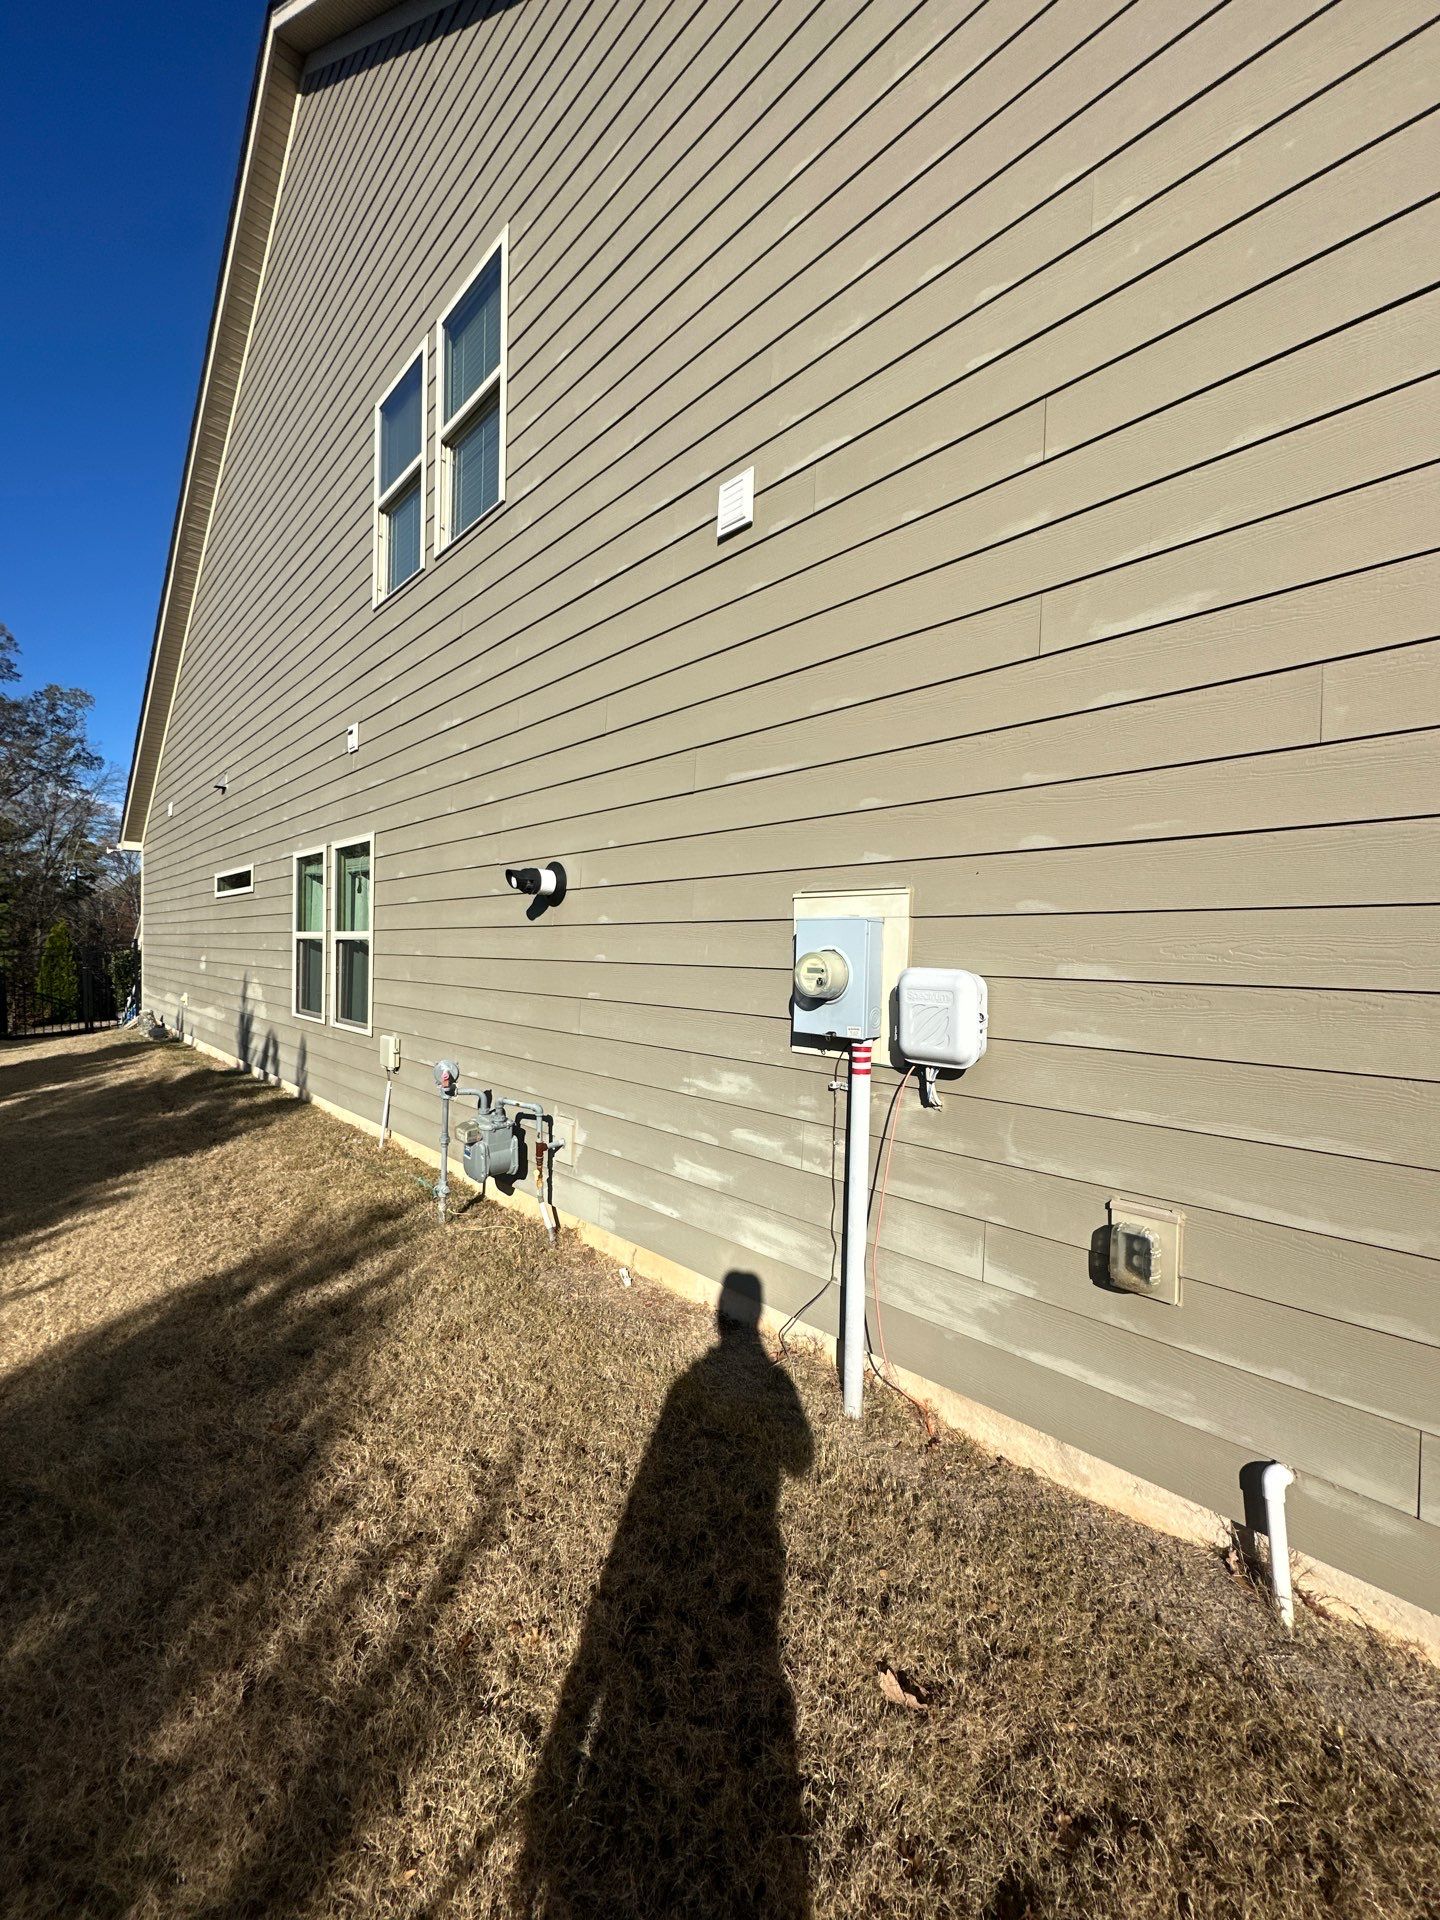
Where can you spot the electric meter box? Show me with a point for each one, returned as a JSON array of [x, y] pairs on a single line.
[[943, 1013], [839, 978]]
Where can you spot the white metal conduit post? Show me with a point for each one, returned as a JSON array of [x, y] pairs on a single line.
[[857, 1207]]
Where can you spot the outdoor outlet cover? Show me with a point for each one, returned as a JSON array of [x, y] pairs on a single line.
[[1145, 1249]]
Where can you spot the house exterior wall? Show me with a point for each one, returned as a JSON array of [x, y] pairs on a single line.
[[1084, 358]]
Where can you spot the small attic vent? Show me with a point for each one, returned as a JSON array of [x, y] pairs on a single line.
[[737, 503]]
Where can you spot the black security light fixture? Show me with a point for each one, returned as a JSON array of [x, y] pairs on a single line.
[[545, 886]]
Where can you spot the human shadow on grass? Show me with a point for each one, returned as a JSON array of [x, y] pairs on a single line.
[[668, 1782]]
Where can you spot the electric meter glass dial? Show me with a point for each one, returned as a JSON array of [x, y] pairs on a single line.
[[822, 975]]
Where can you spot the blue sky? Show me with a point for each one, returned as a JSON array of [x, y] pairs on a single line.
[[119, 132]]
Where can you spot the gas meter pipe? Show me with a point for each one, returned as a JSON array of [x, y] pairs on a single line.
[[442, 1185], [857, 1195]]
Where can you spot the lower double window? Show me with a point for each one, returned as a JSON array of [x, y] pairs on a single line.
[[333, 920]]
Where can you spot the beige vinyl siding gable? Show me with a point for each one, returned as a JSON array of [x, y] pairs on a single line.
[[1086, 359]]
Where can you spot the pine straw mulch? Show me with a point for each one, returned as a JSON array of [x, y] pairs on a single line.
[[353, 1568]]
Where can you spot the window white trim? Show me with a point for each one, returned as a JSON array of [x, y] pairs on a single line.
[[336, 937], [380, 525], [229, 873], [446, 431], [296, 936]]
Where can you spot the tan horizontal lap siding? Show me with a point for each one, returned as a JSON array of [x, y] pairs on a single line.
[[1086, 356]]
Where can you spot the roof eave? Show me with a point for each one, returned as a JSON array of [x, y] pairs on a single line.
[[293, 29]]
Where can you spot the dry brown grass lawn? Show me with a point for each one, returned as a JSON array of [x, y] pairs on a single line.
[[354, 1568]]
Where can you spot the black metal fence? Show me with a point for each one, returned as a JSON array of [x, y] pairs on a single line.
[[24, 1010]]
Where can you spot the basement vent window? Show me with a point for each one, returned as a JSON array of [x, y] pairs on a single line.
[[237, 880], [471, 347]]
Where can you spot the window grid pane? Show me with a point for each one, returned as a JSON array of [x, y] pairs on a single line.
[[352, 890], [400, 428], [402, 538], [475, 468], [310, 977], [472, 338], [310, 894], [352, 980]]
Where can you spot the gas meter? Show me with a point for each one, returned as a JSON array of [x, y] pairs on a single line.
[[490, 1143]]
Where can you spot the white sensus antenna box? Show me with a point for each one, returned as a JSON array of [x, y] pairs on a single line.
[[942, 1017]]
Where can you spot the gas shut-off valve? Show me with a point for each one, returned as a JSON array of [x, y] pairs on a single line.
[[943, 1019]]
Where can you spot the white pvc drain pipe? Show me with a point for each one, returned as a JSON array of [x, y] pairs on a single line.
[[857, 1208], [1273, 1481]]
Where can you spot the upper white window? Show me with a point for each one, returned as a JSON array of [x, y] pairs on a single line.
[[471, 348], [237, 880], [400, 480]]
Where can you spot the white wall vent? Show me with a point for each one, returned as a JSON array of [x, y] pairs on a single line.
[[737, 503]]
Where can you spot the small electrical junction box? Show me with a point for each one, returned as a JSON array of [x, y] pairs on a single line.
[[943, 1016]]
